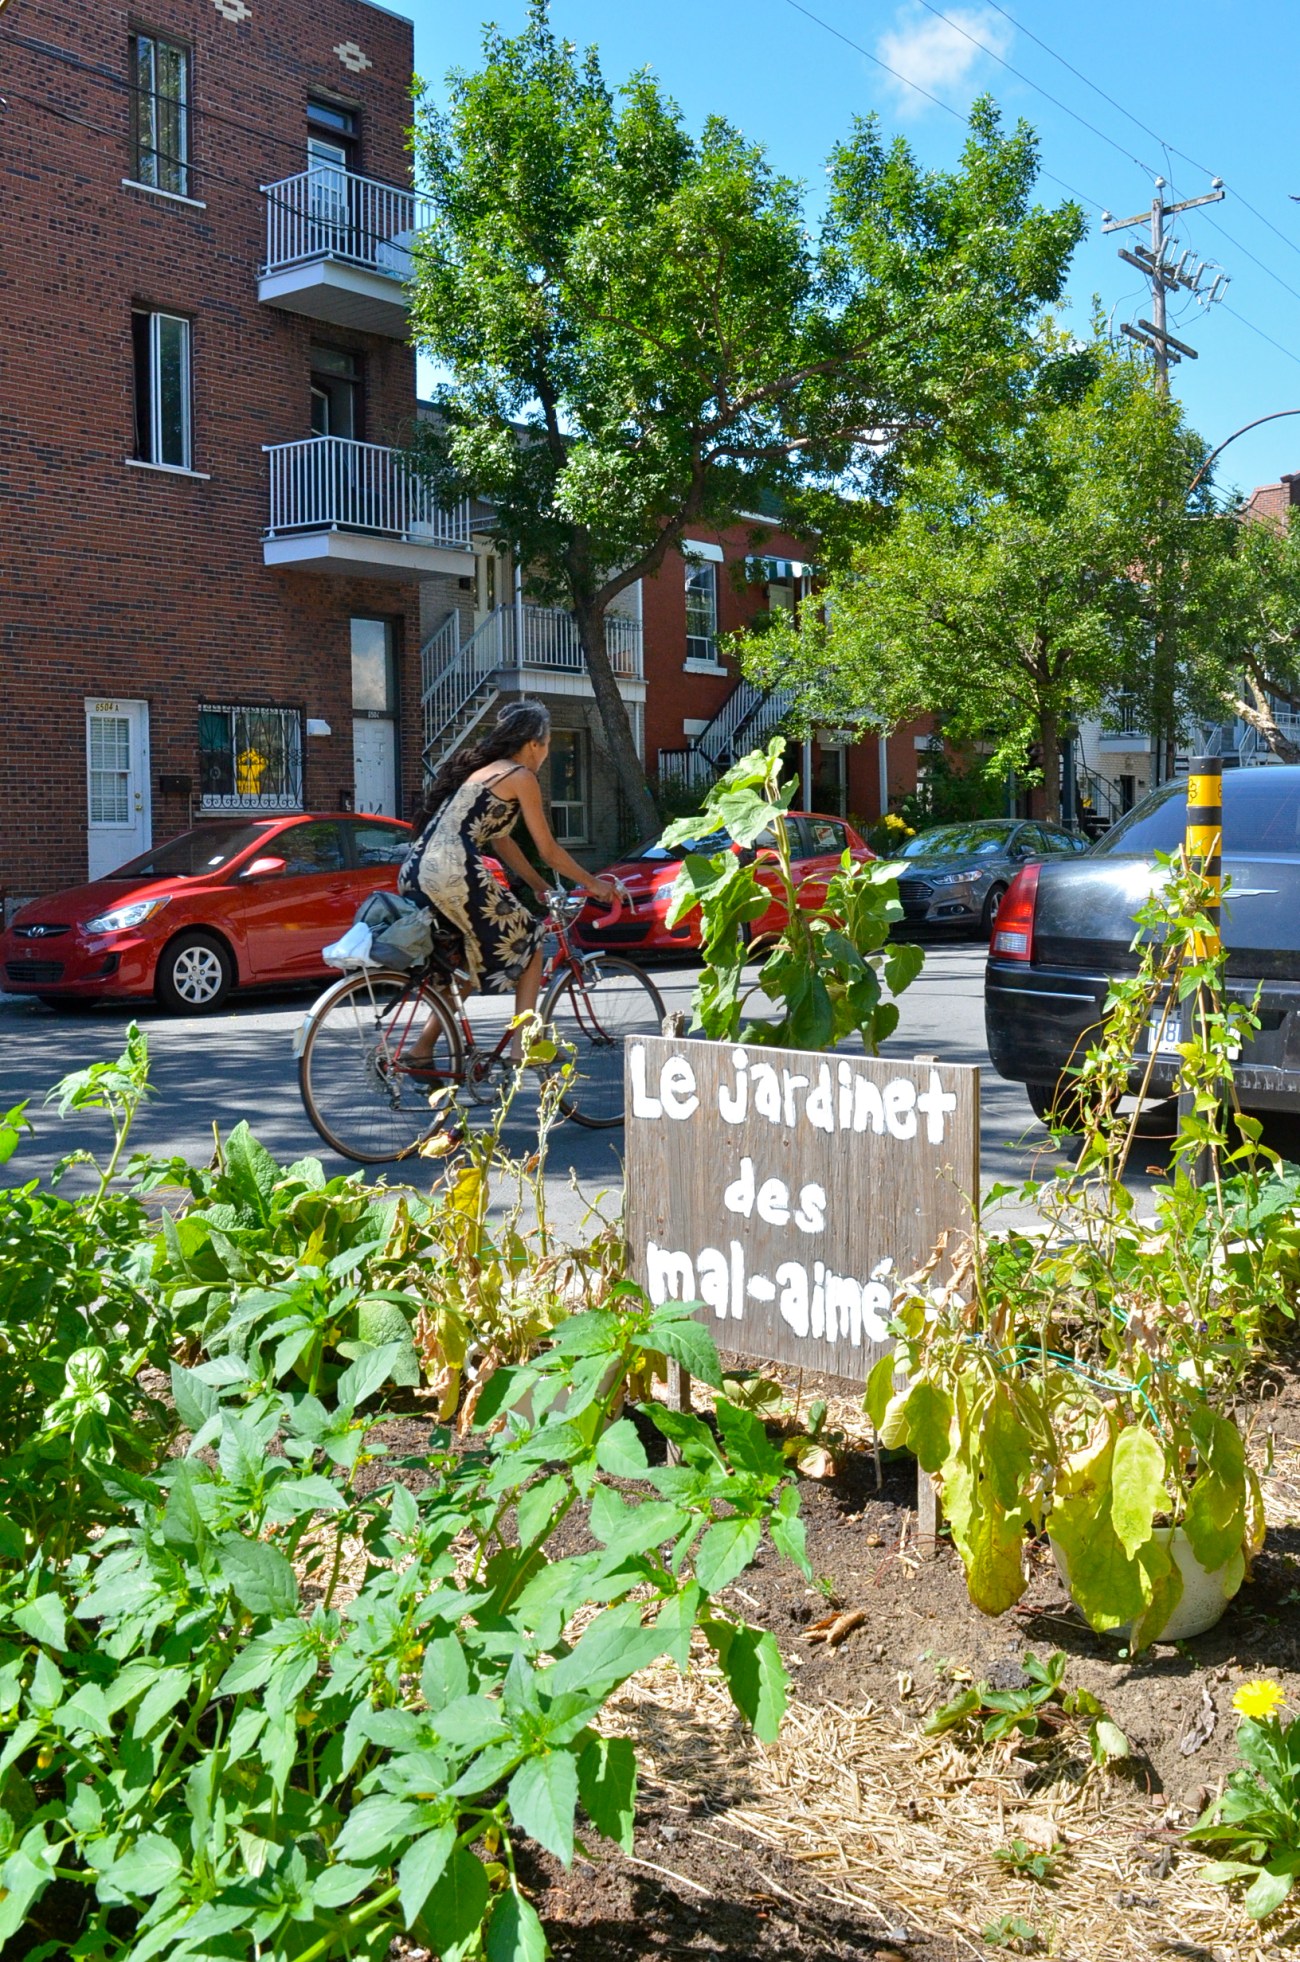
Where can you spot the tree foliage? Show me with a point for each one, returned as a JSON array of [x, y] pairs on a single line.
[[1018, 589], [644, 331]]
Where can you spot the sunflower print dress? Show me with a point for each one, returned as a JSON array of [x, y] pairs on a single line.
[[500, 935]]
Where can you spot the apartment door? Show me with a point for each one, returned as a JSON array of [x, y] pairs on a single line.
[[119, 819], [374, 717]]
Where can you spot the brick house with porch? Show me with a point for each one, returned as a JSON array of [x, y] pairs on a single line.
[[212, 553]]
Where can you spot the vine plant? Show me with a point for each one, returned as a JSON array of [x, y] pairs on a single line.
[[830, 970], [1088, 1380]]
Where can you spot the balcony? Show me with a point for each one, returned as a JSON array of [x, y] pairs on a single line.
[[338, 248], [355, 509]]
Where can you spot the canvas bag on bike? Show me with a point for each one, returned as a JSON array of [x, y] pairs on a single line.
[[402, 931]]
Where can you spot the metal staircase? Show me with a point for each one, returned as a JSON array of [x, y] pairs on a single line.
[[458, 685], [748, 717]]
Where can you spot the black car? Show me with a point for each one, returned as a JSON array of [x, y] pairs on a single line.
[[1065, 930], [957, 874]]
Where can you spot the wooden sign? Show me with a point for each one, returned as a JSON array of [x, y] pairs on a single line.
[[789, 1192]]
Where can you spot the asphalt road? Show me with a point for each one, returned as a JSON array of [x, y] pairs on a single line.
[[239, 1064]]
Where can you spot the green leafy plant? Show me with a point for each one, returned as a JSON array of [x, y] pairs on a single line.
[[1032, 1862], [1255, 1821], [1013, 1932], [1088, 1380], [79, 1329], [829, 969], [1040, 1708], [212, 1743]]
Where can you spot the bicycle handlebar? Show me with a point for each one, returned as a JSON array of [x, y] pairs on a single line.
[[559, 898]]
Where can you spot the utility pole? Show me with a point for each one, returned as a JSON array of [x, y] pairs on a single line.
[[1166, 276]]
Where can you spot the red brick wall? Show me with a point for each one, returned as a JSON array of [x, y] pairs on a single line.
[[126, 582], [674, 694]]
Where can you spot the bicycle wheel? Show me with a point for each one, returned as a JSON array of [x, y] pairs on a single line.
[[594, 1014], [357, 1090]]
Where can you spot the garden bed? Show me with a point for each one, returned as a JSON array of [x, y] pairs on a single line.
[[856, 1835]]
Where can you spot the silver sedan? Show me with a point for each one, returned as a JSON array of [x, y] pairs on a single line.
[[957, 874]]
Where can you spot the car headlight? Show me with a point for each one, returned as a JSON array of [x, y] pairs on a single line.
[[955, 879], [121, 918]]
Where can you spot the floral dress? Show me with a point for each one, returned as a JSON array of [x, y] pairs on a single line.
[[500, 935]]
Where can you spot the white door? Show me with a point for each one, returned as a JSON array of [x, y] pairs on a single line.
[[374, 764], [120, 823]]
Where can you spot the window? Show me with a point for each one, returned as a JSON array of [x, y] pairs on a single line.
[[161, 349], [335, 392], [310, 848], [160, 74], [374, 688], [331, 134], [828, 837], [701, 611], [378, 844], [569, 785], [250, 759]]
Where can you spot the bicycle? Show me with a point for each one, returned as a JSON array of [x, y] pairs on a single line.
[[369, 1101]]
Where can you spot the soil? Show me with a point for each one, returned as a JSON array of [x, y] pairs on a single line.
[[701, 1883]]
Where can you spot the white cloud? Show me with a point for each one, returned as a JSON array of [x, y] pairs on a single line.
[[936, 55]]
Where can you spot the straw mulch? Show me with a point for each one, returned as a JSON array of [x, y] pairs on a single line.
[[902, 1830]]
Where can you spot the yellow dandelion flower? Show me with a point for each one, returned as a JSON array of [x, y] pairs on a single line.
[[1258, 1699]]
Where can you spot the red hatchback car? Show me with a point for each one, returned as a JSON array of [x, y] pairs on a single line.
[[236, 901], [818, 845]]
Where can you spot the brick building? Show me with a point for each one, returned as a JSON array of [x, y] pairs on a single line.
[[212, 556], [220, 590]]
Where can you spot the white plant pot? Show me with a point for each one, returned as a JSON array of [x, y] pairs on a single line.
[[1205, 1596]]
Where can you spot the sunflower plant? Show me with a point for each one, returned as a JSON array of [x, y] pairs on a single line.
[[1255, 1821]]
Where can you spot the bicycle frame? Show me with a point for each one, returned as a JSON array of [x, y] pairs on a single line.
[[474, 1058]]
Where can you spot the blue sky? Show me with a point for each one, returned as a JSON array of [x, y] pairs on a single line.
[[1217, 82]]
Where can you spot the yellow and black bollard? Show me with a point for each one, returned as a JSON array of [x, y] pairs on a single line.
[[1203, 841]]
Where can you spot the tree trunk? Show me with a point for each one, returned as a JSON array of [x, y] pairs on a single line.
[[1259, 714], [1049, 746], [615, 721]]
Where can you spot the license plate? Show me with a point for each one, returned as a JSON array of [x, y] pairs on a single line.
[[1164, 1041]]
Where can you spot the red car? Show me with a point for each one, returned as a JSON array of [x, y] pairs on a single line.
[[648, 874], [235, 901]]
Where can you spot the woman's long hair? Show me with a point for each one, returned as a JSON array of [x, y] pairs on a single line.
[[518, 723]]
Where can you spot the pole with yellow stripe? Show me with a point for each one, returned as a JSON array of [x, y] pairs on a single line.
[[1203, 839]]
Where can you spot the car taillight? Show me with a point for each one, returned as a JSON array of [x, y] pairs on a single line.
[[1013, 929]]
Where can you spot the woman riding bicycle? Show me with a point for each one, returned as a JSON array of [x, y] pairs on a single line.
[[472, 805]]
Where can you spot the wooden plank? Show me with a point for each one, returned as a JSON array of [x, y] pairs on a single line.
[[790, 1192]]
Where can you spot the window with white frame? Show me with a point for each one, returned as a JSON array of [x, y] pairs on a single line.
[[569, 778], [250, 759], [161, 347], [160, 76], [701, 610]]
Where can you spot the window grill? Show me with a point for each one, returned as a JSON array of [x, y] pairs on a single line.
[[250, 759]]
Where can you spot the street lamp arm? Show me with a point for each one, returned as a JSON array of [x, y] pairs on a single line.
[[1275, 416]]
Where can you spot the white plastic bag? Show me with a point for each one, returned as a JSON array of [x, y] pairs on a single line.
[[353, 950]]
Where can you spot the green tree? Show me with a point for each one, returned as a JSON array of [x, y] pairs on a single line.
[[1016, 590], [1257, 608], [642, 331]]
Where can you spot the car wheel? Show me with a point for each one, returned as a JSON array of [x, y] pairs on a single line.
[[992, 906], [194, 975]]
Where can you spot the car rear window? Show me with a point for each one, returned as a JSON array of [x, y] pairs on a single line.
[[205, 849], [1261, 816]]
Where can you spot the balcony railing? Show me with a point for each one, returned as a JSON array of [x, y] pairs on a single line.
[[328, 213], [328, 483], [547, 637]]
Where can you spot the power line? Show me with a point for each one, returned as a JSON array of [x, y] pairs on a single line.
[[1261, 263], [1030, 83], [1289, 352], [1137, 121], [938, 101]]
